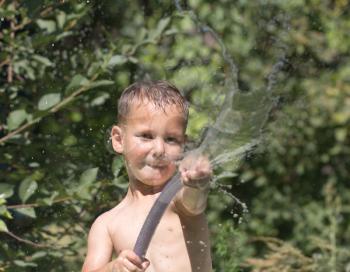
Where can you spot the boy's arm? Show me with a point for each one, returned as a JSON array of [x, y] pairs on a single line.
[[100, 247], [195, 174], [191, 201]]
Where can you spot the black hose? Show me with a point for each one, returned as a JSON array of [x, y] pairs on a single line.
[[155, 214]]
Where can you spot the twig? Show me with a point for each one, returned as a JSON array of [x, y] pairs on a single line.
[[5, 62], [10, 68], [52, 110], [18, 130], [25, 241], [33, 205]]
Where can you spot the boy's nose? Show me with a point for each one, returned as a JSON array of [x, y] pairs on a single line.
[[158, 148]]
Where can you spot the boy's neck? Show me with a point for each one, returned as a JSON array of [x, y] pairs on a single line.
[[138, 189]]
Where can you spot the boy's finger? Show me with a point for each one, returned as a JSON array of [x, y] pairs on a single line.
[[130, 266], [145, 265], [135, 260]]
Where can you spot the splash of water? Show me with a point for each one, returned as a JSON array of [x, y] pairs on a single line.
[[238, 127]]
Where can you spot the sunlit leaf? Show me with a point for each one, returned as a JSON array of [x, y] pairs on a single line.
[[21, 263], [100, 100], [38, 255], [48, 25], [89, 176], [3, 227], [117, 165], [162, 24], [117, 60], [16, 118], [61, 19], [6, 189], [49, 100], [42, 60], [99, 83], [4, 211], [76, 82], [27, 189], [49, 200], [30, 212]]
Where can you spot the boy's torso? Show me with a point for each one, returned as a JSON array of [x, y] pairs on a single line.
[[180, 243]]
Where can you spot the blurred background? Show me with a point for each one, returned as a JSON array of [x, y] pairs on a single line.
[[63, 65]]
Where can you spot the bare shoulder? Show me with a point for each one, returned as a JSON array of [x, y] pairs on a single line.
[[100, 242], [107, 218]]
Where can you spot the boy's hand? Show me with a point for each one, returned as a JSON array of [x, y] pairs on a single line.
[[195, 171], [128, 261]]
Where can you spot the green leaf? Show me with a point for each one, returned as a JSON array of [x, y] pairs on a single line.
[[6, 190], [16, 118], [100, 100], [27, 188], [3, 227], [5, 212], [49, 100], [42, 60], [99, 83], [48, 25], [163, 23], [30, 212], [76, 82], [63, 35], [21, 263], [88, 176], [61, 19], [117, 60], [117, 165], [38, 255], [49, 200], [86, 180]]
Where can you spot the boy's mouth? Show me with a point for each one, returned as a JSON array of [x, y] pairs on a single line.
[[161, 165], [158, 164]]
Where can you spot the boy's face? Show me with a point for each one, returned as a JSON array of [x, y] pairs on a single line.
[[151, 140]]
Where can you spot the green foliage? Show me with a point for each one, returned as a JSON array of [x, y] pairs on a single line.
[[62, 68], [230, 248]]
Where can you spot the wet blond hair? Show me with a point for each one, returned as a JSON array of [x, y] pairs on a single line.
[[161, 93]]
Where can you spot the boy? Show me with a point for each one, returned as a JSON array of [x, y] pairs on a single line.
[[152, 119]]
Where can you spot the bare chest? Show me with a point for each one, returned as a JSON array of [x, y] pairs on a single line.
[[177, 245]]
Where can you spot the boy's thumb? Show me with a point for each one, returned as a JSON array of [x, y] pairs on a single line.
[[145, 264]]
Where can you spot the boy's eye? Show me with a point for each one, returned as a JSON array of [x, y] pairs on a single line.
[[172, 140], [146, 136]]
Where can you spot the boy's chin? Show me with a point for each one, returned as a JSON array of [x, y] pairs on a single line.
[[156, 177]]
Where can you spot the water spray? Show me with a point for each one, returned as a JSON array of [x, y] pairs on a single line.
[[236, 132]]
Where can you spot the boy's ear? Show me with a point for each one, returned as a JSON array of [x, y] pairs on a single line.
[[117, 139]]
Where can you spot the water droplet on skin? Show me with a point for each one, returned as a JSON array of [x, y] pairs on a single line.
[[202, 243]]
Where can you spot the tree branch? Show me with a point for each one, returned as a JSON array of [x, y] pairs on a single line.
[[52, 110], [28, 242], [34, 205], [5, 62]]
